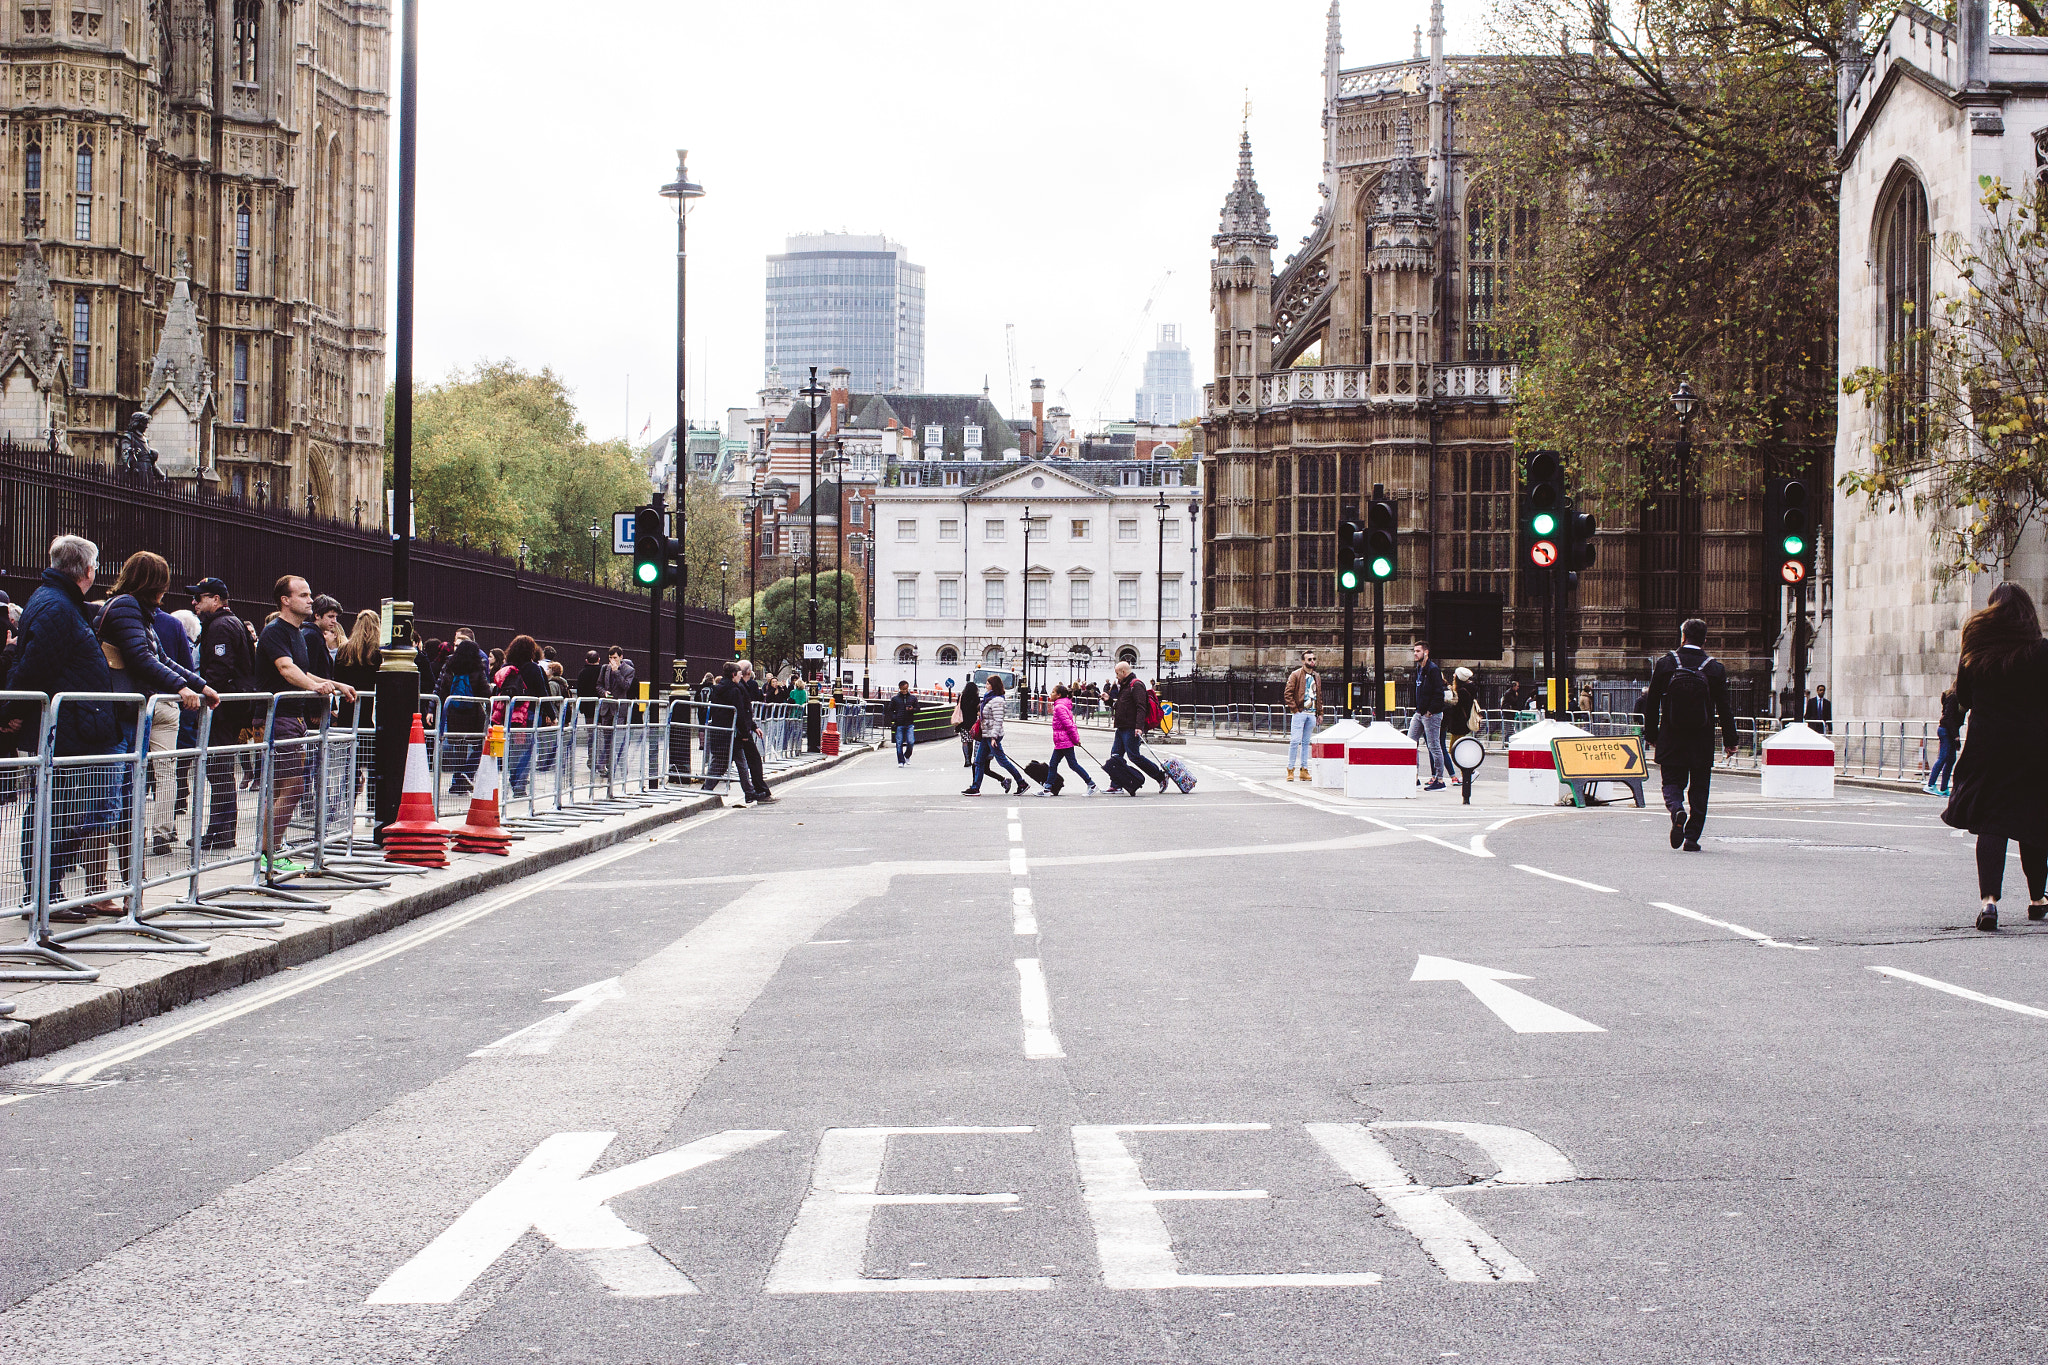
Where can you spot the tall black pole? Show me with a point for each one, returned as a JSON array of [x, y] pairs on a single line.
[[1158, 596], [658, 500], [1350, 604], [398, 677], [1549, 640], [838, 564], [1379, 648], [814, 721], [1024, 616], [1799, 651], [682, 191]]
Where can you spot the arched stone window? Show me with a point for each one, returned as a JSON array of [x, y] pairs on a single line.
[[948, 654], [248, 22], [992, 657], [907, 654], [1127, 655], [1904, 255]]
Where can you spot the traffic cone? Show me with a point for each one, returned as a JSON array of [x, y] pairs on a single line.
[[480, 831], [831, 743], [416, 837]]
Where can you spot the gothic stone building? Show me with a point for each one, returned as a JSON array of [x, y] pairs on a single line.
[[208, 179], [1366, 357]]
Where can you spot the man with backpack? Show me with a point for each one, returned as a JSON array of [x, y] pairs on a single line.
[[1136, 712], [1688, 692]]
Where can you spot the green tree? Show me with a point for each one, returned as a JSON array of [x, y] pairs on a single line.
[[711, 532], [779, 617], [1661, 177]]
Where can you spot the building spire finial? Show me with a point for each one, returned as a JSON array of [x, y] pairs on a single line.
[[1244, 208]]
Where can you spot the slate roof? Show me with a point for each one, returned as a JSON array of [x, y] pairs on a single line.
[[955, 412]]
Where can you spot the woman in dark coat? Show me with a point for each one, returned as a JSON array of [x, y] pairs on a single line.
[[2001, 780], [970, 711]]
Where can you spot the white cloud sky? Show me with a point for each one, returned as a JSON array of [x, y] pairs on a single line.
[[1045, 163]]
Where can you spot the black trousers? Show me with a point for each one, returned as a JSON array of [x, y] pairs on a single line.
[[748, 761], [1991, 867], [1686, 779]]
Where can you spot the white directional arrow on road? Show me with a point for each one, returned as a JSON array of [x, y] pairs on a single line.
[[538, 1039], [1518, 1011]]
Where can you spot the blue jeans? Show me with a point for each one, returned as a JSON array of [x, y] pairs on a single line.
[[906, 740], [1944, 765], [1300, 726], [1066, 756], [1430, 730], [991, 750], [1126, 744]]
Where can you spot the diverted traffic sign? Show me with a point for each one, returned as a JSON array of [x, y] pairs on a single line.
[[1583, 761]]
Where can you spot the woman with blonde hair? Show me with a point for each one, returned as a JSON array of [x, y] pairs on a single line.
[[2000, 792]]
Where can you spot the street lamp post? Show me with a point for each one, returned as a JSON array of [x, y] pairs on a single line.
[[1159, 598], [814, 711], [593, 550], [682, 190], [522, 556], [723, 565], [1194, 583], [1683, 402], [838, 554], [1024, 619]]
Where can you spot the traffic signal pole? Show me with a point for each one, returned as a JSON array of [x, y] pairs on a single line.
[[1379, 649], [1350, 599], [659, 502]]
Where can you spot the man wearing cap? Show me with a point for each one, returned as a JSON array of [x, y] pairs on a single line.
[[228, 663]]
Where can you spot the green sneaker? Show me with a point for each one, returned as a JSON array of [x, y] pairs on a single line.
[[277, 863]]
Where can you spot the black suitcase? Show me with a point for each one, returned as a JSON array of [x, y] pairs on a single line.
[[1123, 775], [1037, 772]]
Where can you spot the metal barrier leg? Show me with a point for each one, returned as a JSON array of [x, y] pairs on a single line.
[[129, 796], [218, 916]]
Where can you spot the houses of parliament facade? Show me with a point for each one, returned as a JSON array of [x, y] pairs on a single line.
[[1367, 357], [202, 187]]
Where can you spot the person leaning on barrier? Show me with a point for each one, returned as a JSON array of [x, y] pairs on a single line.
[[227, 661], [281, 667], [59, 652], [137, 663], [462, 687], [746, 736]]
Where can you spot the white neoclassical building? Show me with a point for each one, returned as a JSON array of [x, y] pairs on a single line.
[[1933, 107], [1108, 570]]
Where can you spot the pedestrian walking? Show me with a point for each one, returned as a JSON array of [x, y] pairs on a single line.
[[2001, 777], [1427, 724], [1950, 735], [746, 741], [1133, 717], [60, 652], [989, 748], [1820, 712], [137, 664], [1066, 737], [1304, 700], [899, 713], [1459, 708], [1512, 701], [281, 667], [1688, 692], [227, 661], [966, 711], [464, 684]]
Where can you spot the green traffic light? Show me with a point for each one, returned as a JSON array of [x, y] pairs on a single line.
[[1347, 580], [1382, 568], [1543, 523], [1794, 545], [647, 573]]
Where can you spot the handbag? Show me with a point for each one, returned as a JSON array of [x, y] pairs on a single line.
[[957, 718]]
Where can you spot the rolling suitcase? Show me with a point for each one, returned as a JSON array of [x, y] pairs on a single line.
[[1125, 777], [1177, 772], [1037, 772]]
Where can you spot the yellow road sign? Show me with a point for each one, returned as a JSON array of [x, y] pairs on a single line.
[[1615, 759]]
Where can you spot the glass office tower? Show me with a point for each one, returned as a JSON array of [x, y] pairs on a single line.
[[843, 299]]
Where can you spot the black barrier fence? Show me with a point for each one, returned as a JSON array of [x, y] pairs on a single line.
[[1242, 689], [45, 494]]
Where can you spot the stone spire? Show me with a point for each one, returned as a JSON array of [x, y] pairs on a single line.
[[1333, 55], [180, 366], [31, 327], [1404, 193], [1244, 208]]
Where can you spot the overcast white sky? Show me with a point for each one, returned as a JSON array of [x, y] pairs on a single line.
[[1047, 163]]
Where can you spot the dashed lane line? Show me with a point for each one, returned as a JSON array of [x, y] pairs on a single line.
[[1560, 877], [1040, 1042], [1475, 849], [1962, 991], [1761, 940], [1023, 917]]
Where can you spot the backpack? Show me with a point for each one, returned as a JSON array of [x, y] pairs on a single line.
[[460, 686], [1688, 712], [1155, 719]]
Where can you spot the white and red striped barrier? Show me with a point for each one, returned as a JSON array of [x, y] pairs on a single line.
[[1532, 767], [1326, 761], [1379, 761], [1799, 762]]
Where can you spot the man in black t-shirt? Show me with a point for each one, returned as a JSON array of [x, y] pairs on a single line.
[[281, 667]]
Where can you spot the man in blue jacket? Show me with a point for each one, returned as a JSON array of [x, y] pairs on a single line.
[[59, 652], [1427, 724]]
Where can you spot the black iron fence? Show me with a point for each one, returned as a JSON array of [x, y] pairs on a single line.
[[45, 494], [1235, 688]]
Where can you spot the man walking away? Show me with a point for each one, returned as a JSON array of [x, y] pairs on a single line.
[[1304, 697], [900, 714], [1427, 724], [1133, 715], [1820, 711], [228, 663], [1688, 690], [281, 667]]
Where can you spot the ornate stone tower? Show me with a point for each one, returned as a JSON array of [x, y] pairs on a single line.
[[1241, 286], [1401, 262]]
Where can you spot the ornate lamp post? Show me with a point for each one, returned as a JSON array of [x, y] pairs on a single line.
[[838, 555], [682, 189], [1024, 617], [1159, 597], [522, 556], [1683, 401], [593, 549], [814, 711], [1194, 581], [723, 565]]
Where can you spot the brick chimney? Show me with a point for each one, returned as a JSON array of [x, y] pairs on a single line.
[[1038, 409], [842, 380]]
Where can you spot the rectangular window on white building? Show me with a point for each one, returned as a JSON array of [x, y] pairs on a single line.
[[906, 597], [1170, 529], [1077, 598], [972, 441], [992, 529], [1169, 598], [1127, 597], [992, 598], [949, 597], [1037, 595], [1077, 529], [1039, 528], [934, 437], [949, 530], [906, 529], [1127, 529]]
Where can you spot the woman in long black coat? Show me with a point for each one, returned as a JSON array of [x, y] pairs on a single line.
[[970, 711], [2000, 791]]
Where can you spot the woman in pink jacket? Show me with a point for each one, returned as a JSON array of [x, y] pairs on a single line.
[[1064, 738]]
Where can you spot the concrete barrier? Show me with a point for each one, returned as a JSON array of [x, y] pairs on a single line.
[[1532, 767], [1379, 761], [1326, 764], [1799, 762]]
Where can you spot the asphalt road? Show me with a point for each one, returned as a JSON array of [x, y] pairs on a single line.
[[884, 1074]]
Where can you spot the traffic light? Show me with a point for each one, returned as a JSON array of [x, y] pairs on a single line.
[[651, 552], [1543, 509], [1789, 530], [1579, 546], [1382, 547], [1350, 556]]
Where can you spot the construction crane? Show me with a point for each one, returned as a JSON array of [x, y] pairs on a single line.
[[1123, 358]]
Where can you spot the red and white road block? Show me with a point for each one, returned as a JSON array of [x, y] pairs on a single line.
[[1532, 767], [1379, 761], [1326, 760], [1799, 762]]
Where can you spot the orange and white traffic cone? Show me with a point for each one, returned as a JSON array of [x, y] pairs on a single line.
[[480, 832], [416, 837], [831, 740]]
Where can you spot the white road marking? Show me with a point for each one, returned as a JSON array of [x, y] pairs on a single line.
[[1014, 811], [550, 1193], [1130, 1236], [1463, 1250], [1965, 993], [1762, 940], [1560, 877], [1016, 833], [538, 1039], [1040, 1043], [1522, 1013], [1476, 848], [825, 1251], [87, 1068], [1024, 919], [1018, 868]]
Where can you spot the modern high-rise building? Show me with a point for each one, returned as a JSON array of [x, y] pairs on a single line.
[[1167, 394], [839, 298]]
